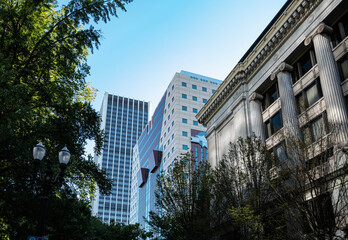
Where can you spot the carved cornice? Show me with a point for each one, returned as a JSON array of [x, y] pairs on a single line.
[[283, 27]]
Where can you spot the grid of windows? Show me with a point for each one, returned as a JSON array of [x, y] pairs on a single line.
[[124, 121]]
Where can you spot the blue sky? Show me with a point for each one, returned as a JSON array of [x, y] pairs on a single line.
[[143, 48]]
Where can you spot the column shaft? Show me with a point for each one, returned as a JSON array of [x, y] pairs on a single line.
[[256, 119], [288, 103], [331, 86]]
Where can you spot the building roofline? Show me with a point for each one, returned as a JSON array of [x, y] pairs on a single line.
[[268, 27], [293, 13]]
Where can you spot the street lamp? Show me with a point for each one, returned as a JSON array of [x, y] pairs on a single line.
[[47, 179]]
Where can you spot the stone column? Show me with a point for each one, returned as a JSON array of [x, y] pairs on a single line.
[[330, 83], [287, 100], [256, 115]]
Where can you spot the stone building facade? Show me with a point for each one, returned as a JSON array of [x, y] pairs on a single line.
[[293, 81]]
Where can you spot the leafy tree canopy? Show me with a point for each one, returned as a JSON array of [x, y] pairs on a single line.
[[183, 197], [44, 97]]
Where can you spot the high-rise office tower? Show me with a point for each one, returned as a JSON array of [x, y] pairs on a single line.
[[123, 120], [172, 130]]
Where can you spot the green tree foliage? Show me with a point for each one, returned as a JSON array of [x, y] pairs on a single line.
[[241, 191], [183, 199], [44, 97], [116, 231]]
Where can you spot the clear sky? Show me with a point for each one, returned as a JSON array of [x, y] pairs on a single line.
[[143, 48]]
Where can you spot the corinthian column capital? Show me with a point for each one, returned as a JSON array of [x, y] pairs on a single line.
[[322, 28]]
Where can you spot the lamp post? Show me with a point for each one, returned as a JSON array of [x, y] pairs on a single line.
[[47, 179]]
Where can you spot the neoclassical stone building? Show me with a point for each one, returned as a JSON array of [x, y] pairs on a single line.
[[294, 76], [293, 81]]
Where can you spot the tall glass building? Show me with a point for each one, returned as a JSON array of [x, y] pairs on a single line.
[[172, 130], [123, 120]]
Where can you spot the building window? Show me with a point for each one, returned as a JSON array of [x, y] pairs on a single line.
[[165, 134], [343, 67], [322, 210], [184, 133], [168, 117], [165, 147], [165, 123], [184, 147], [173, 111], [184, 120], [340, 30], [183, 84], [204, 100], [303, 65], [279, 153], [194, 110], [168, 105], [204, 89], [270, 96], [195, 123], [315, 129], [309, 96], [184, 96], [184, 108], [172, 123], [194, 86], [172, 99], [346, 97], [165, 159], [273, 124], [172, 136], [194, 98], [172, 87], [168, 94], [169, 129], [213, 91], [168, 142], [172, 149]]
